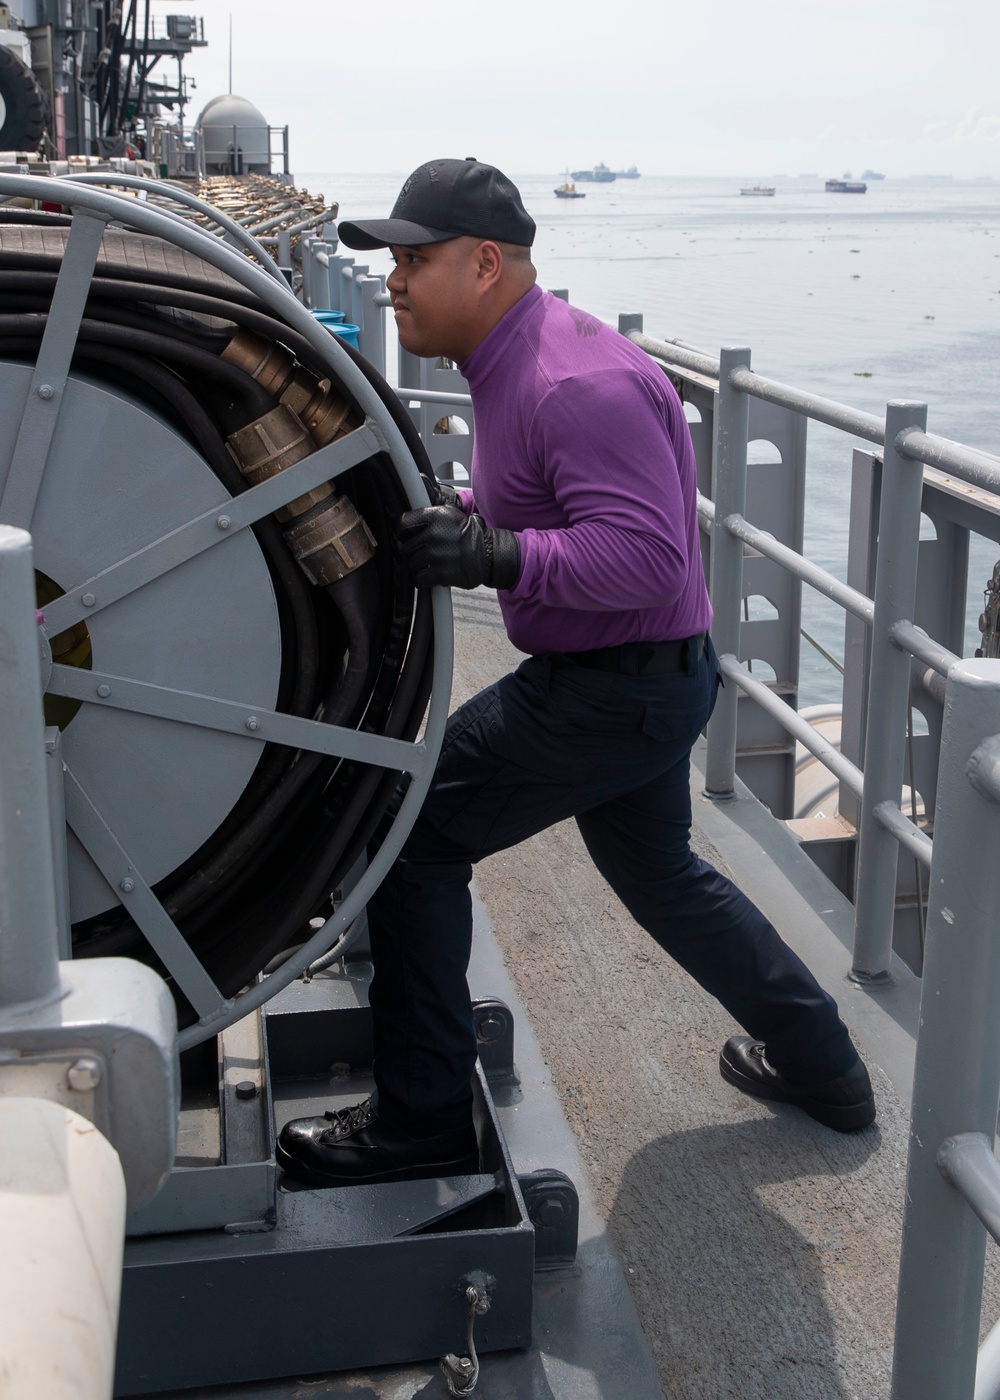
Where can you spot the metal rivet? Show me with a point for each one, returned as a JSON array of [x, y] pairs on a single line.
[[88, 600], [85, 1075], [103, 690], [223, 522], [253, 723], [127, 886], [246, 1089], [46, 391]]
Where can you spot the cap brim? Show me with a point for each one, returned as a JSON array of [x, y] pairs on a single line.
[[380, 233]]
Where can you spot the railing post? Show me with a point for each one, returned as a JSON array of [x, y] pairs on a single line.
[[321, 273], [372, 338], [957, 1072], [337, 284], [29, 956], [726, 584], [306, 268], [889, 685], [354, 309]]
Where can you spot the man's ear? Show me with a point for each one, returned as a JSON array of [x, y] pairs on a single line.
[[489, 264]]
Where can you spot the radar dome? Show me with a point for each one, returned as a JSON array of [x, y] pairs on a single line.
[[236, 137]]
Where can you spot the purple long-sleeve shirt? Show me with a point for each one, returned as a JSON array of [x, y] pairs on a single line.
[[583, 450]]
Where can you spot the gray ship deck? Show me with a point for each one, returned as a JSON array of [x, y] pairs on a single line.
[[759, 1249]]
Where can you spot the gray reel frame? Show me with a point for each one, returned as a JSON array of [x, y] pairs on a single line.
[[93, 210]]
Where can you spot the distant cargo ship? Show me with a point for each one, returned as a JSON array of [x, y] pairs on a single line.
[[600, 175], [757, 189], [872, 175], [630, 174], [846, 187]]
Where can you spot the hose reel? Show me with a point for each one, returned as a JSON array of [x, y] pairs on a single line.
[[231, 647]]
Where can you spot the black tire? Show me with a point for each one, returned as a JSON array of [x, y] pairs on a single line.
[[24, 117]]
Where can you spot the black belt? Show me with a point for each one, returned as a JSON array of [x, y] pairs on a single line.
[[643, 658]]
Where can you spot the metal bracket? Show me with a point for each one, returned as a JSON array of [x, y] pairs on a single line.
[[494, 1024], [554, 1209], [106, 1048]]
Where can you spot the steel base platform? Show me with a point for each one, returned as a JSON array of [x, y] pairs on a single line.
[[319, 1297]]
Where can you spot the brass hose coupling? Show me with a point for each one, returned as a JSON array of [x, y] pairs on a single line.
[[324, 530]]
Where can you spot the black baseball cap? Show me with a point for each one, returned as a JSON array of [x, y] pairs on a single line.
[[448, 199]]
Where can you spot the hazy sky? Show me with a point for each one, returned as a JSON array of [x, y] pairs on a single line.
[[724, 87]]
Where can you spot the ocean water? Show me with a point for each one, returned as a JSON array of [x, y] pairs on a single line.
[[861, 298]]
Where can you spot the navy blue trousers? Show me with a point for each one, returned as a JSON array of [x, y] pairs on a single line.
[[554, 740]]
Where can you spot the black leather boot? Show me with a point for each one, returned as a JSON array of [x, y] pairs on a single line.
[[352, 1147], [846, 1103]]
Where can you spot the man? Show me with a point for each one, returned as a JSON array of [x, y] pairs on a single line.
[[582, 515]]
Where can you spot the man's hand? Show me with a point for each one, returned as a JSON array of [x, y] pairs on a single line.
[[441, 493], [443, 545]]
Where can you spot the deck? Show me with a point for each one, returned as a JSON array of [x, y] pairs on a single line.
[[761, 1249]]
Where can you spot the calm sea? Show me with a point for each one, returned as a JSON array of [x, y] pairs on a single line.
[[862, 298]]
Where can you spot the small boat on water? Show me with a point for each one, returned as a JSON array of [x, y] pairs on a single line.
[[758, 189], [600, 175], [567, 190], [846, 187]]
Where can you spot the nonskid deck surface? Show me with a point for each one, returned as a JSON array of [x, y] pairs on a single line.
[[761, 1248]]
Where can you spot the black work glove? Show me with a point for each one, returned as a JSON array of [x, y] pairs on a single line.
[[443, 545], [441, 493]]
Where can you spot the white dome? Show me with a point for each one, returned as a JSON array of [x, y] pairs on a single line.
[[229, 109], [230, 122]]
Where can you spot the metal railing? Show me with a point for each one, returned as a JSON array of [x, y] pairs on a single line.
[[953, 1180], [888, 615]]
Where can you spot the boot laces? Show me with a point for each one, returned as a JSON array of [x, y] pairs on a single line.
[[345, 1121]]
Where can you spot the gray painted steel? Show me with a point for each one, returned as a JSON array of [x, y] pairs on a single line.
[[57, 825], [256, 723], [895, 596], [386, 1264], [907, 833], [803, 731], [957, 1070], [222, 522], [97, 1037], [163, 788], [726, 579], [771, 623], [792, 560], [29, 926], [439, 385], [969, 1163], [43, 405]]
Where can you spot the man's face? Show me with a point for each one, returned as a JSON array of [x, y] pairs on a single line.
[[436, 298]]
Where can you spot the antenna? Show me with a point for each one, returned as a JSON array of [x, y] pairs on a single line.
[[230, 53]]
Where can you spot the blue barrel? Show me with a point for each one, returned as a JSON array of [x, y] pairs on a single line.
[[335, 323], [347, 332]]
